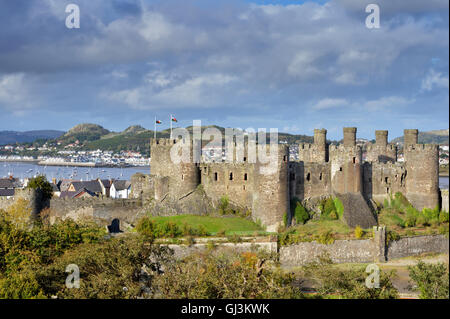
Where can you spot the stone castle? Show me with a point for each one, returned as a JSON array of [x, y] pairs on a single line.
[[321, 171]]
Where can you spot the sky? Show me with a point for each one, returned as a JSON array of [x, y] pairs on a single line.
[[291, 65]]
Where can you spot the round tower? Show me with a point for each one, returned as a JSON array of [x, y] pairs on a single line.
[[271, 190]]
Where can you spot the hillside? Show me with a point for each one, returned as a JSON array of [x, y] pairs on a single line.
[[83, 133], [13, 137], [429, 137]]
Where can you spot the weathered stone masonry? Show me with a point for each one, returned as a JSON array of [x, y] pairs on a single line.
[[322, 170]]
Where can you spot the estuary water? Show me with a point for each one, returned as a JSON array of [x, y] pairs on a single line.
[[23, 170]]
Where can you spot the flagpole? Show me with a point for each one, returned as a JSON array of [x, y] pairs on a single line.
[[155, 128], [170, 126]]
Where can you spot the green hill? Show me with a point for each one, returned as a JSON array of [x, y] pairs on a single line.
[[430, 137], [83, 133]]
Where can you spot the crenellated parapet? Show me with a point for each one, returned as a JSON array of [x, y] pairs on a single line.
[[381, 151]]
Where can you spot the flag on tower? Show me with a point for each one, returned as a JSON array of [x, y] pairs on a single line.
[[174, 119], [158, 122]]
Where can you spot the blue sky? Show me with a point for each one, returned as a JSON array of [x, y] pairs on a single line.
[[293, 65]]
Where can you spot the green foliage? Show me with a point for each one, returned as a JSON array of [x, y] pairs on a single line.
[[326, 237], [40, 183], [223, 205], [168, 229], [348, 283], [392, 236], [328, 209], [301, 215], [359, 232], [285, 219], [399, 212], [432, 280], [339, 207], [215, 275]]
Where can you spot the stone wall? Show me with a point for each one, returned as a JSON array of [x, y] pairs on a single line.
[[101, 210], [341, 251], [410, 246], [444, 200], [182, 251], [383, 179]]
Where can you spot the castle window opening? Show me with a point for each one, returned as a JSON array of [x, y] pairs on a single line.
[[386, 179], [245, 177], [340, 169], [157, 142], [244, 187], [231, 176], [387, 190], [308, 177], [182, 177], [215, 176], [245, 159], [320, 176], [354, 160], [284, 158]]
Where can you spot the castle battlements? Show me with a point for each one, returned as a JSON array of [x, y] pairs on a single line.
[[321, 170]]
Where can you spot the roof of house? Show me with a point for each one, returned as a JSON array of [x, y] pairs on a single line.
[[65, 184], [120, 185], [7, 192], [55, 187], [82, 192], [92, 186], [106, 183], [6, 183]]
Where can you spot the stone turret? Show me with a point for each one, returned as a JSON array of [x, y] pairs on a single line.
[[349, 136], [317, 152], [411, 137], [381, 151], [381, 138]]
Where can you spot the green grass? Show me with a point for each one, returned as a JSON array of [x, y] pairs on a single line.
[[213, 225]]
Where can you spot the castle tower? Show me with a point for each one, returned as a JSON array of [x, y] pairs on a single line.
[[349, 136], [176, 179], [381, 151], [422, 171], [411, 137], [381, 138], [271, 191], [346, 164], [317, 152]]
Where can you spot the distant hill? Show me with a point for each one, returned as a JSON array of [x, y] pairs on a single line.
[[429, 137], [13, 137], [83, 133]]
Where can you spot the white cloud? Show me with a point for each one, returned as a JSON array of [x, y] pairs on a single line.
[[14, 93], [434, 80], [329, 103]]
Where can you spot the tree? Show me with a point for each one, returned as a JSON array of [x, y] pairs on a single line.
[[40, 182], [431, 280]]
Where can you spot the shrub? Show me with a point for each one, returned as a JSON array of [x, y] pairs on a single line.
[[146, 227], [328, 210], [40, 182], [348, 283], [223, 205], [301, 215], [326, 237], [443, 217], [359, 232], [432, 280], [339, 207], [213, 275]]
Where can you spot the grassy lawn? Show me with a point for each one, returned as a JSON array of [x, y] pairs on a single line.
[[231, 225]]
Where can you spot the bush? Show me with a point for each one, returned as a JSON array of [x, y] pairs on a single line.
[[359, 232], [443, 217], [301, 215], [215, 275], [223, 205], [348, 283], [326, 237], [339, 207], [328, 210], [40, 182], [431, 280]]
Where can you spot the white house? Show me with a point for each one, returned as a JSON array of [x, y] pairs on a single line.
[[120, 189]]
